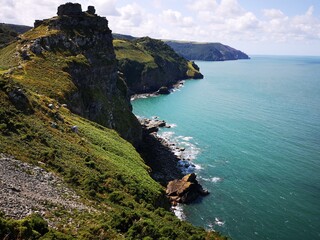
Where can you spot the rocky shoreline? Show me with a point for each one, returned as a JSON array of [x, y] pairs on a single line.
[[161, 91], [166, 164]]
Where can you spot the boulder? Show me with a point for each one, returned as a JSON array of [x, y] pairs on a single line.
[[91, 10], [152, 125], [69, 9], [185, 190], [163, 90]]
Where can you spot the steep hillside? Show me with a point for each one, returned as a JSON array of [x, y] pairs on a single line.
[[17, 28], [54, 76], [148, 64], [80, 69], [206, 51], [10, 32], [6, 35]]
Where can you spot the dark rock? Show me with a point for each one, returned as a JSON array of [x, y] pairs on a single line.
[[163, 90], [20, 100], [185, 190], [25, 55], [91, 10], [169, 68], [69, 9], [36, 47], [54, 125], [37, 23], [151, 125], [74, 129]]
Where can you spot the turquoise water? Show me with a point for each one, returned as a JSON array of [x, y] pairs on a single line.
[[253, 129]]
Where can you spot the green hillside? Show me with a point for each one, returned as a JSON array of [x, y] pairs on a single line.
[[47, 90], [149, 64], [206, 51]]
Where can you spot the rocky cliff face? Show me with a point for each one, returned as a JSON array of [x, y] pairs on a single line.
[[99, 94], [149, 64]]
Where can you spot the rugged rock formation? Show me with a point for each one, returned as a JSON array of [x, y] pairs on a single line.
[[149, 64], [100, 94], [185, 190], [151, 125], [206, 51]]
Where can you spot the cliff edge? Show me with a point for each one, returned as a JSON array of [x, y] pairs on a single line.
[[76, 50], [149, 64]]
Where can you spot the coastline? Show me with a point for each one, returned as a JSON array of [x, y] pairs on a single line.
[[159, 155], [171, 89], [164, 157]]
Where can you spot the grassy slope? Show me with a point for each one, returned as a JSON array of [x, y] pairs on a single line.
[[104, 169], [138, 51]]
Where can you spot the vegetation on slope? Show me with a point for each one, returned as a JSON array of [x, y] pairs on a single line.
[[6, 35], [104, 169], [148, 64]]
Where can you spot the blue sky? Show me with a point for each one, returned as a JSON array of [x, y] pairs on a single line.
[[281, 27]]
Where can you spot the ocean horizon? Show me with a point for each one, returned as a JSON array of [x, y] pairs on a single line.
[[252, 130]]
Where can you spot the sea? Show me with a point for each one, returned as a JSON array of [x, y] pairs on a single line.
[[251, 129]]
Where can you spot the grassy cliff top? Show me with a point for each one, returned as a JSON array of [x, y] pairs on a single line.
[[102, 168]]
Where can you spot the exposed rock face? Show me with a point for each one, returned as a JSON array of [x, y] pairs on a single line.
[[70, 9], [185, 190], [158, 66], [91, 10], [151, 125], [101, 94]]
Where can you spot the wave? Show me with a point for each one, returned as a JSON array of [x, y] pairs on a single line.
[[178, 211], [213, 179]]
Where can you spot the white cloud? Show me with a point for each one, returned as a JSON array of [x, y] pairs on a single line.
[[203, 5], [273, 13], [27, 11], [175, 18], [223, 21]]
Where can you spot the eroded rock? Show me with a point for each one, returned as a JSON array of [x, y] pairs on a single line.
[[185, 190]]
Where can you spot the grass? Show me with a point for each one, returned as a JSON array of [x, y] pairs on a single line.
[[103, 168], [40, 31], [128, 50]]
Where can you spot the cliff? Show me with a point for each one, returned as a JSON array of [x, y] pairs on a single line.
[[206, 51], [61, 159], [76, 48], [149, 64]]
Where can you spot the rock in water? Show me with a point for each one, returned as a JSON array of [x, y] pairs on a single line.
[[163, 90], [185, 190]]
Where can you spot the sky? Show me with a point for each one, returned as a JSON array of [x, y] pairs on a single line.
[[273, 27]]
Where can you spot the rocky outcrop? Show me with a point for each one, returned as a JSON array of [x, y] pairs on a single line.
[[101, 94], [185, 190], [151, 125]]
